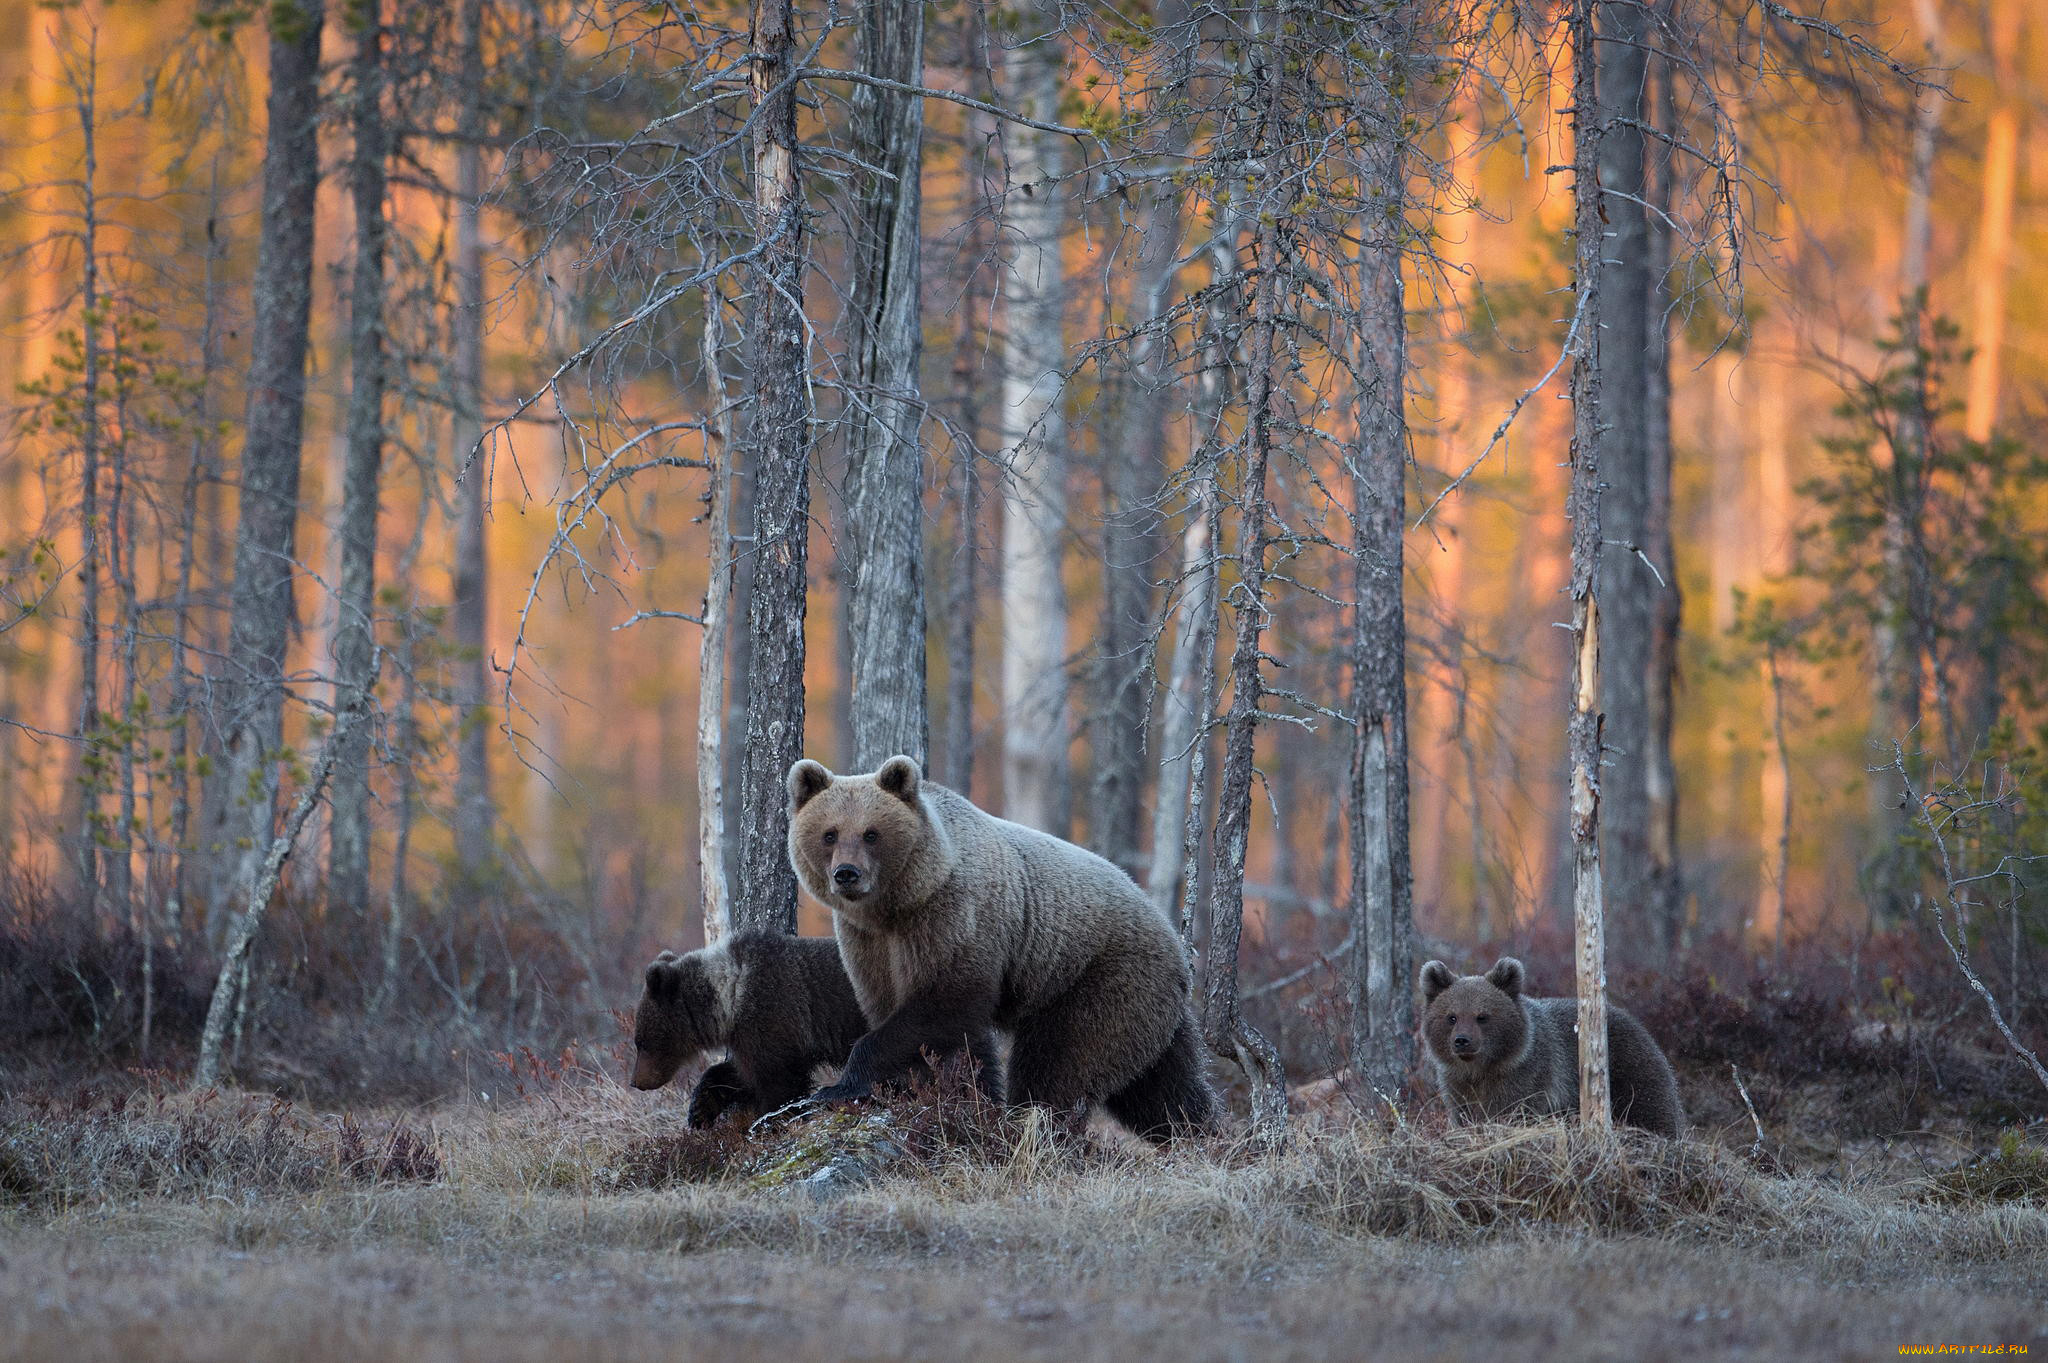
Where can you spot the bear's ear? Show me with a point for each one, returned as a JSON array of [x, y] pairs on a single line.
[[1506, 976], [1436, 977], [899, 777], [664, 975], [806, 779]]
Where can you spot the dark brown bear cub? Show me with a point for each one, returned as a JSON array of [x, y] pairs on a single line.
[[778, 1006], [1498, 1054]]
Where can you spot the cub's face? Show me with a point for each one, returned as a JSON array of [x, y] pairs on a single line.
[[1475, 1021], [667, 1033], [850, 836]]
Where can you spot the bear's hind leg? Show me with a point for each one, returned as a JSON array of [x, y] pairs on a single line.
[[1096, 1039], [1172, 1098]]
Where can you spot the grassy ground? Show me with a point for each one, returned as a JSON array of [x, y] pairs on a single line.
[[581, 1223]]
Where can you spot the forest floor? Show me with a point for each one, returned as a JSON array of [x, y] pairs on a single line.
[[579, 1221]]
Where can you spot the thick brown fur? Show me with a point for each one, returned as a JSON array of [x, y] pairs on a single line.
[[954, 924], [778, 1006], [1498, 1054]]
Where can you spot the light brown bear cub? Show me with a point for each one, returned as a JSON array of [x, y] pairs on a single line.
[[955, 924], [779, 1007], [1498, 1054]]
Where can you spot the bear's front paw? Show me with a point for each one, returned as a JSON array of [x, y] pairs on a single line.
[[842, 1092]]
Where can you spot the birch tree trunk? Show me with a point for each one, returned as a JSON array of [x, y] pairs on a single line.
[[234, 963], [1382, 913], [473, 815], [779, 415], [885, 478], [348, 875], [251, 677], [1036, 789], [1184, 727], [1582, 754], [715, 897]]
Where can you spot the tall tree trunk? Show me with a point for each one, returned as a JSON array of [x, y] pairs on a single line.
[[778, 383], [199, 472], [1589, 927], [1896, 676], [473, 813], [348, 873], [1666, 903], [1187, 705], [715, 895], [1224, 1027], [1777, 799], [91, 739], [1627, 585], [1994, 220], [1443, 703], [1382, 911], [958, 747], [885, 483], [1184, 731], [1131, 482], [251, 677], [1036, 789], [128, 725], [740, 642]]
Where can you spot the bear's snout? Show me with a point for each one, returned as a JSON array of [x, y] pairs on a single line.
[[1464, 1045], [849, 879]]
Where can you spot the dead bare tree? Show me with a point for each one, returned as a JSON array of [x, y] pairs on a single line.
[[779, 441], [1589, 923]]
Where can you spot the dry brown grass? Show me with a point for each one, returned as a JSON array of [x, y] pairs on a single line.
[[538, 1236]]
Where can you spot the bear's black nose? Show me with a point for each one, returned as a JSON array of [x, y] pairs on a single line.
[[845, 875], [1461, 1044]]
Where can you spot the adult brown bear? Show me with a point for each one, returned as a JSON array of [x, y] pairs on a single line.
[[954, 924]]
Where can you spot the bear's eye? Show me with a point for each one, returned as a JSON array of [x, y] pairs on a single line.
[[1450, 1017], [831, 836], [1483, 1017], [869, 836]]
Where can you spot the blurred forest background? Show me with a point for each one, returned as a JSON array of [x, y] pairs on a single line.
[[625, 328]]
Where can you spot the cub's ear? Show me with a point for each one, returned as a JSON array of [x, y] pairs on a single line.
[[899, 777], [806, 779], [664, 975], [1436, 977], [1506, 976]]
